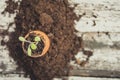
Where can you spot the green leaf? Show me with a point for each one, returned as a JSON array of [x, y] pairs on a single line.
[[33, 46], [29, 51], [22, 39], [37, 38]]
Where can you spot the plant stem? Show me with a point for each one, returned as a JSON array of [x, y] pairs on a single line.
[[36, 43], [30, 42]]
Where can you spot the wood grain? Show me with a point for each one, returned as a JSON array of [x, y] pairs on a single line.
[[99, 27], [102, 15]]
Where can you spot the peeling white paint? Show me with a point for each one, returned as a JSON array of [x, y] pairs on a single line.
[[90, 78], [102, 15], [13, 78]]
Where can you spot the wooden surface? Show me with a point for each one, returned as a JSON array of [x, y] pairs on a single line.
[[102, 15], [99, 27]]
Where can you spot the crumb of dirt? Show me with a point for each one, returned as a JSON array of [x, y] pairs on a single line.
[[55, 18], [3, 42], [45, 19], [88, 53]]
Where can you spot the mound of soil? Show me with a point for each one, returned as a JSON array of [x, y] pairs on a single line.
[[56, 19]]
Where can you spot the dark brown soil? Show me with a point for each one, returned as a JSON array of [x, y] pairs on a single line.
[[56, 19], [40, 44]]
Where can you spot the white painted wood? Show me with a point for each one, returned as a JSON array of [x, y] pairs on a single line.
[[99, 16], [70, 78], [102, 59], [13, 78], [85, 78], [102, 15], [7, 64], [106, 51], [5, 19], [101, 40], [89, 78]]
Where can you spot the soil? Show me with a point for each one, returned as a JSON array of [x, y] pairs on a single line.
[[40, 44], [56, 19]]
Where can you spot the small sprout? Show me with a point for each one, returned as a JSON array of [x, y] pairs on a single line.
[[29, 51], [37, 38], [33, 46], [22, 39]]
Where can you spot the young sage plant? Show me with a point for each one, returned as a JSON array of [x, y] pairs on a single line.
[[32, 45]]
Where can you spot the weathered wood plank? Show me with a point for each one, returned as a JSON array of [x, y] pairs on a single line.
[[95, 73], [105, 48], [13, 78], [102, 15], [102, 59], [65, 78], [94, 40], [6, 19], [88, 78], [7, 64]]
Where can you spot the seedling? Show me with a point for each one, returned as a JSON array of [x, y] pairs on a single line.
[[32, 45]]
